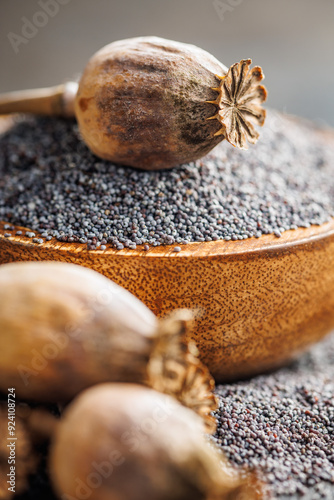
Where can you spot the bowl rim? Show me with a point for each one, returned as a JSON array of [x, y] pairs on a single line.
[[265, 243]]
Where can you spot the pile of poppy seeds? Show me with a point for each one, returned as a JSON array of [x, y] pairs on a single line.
[[282, 425], [53, 185]]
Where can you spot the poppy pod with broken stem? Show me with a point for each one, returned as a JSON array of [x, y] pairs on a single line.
[[153, 103]]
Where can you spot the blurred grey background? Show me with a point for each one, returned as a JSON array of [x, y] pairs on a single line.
[[44, 42]]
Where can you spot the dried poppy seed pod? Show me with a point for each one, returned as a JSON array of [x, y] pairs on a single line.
[[64, 328], [149, 99], [153, 103], [126, 442]]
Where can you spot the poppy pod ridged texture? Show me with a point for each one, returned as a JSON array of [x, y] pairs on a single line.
[[153, 103]]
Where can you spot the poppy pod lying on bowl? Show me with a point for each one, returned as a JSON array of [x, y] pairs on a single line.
[[153, 103], [143, 91]]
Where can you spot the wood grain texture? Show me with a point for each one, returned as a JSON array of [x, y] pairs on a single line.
[[259, 302]]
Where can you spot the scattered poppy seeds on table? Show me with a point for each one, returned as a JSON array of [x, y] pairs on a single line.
[[282, 424], [52, 184]]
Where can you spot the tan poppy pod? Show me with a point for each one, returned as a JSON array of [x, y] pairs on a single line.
[[145, 102], [126, 442], [153, 103], [65, 327]]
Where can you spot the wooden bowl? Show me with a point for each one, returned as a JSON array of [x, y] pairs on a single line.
[[259, 302]]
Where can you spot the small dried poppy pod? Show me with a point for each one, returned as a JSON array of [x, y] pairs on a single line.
[[147, 102], [126, 442]]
